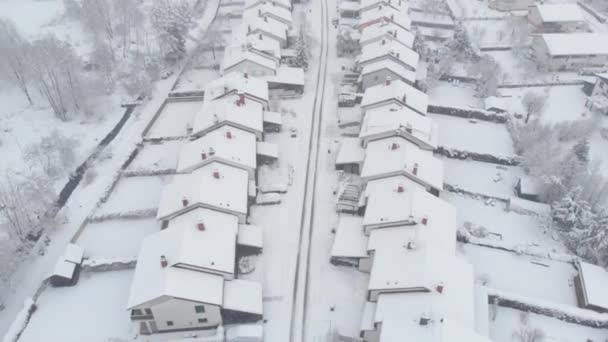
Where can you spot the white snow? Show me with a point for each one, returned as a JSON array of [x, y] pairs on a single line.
[[576, 44], [396, 91], [133, 194], [243, 296], [551, 13], [482, 178], [594, 279], [388, 49], [175, 118], [350, 152], [156, 157], [350, 240]]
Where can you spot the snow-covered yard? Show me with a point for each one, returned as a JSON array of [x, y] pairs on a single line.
[[508, 321], [154, 157], [133, 194], [93, 310], [449, 95], [174, 120], [116, 239], [196, 79], [481, 178], [473, 9], [541, 279], [474, 136]]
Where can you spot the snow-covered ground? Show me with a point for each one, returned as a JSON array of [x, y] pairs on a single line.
[[156, 157], [133, 194], [174, 120], [473, 9], [482, 178], [460, 96]]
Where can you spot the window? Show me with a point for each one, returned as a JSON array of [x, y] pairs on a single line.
[[136, 312], [169, 323], [202, 320], [199, 309], [148, 312]]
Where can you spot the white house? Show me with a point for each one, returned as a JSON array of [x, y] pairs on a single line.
[[386, 30], [566, 51], [226, 145], [370, 5], [266, 26], [377, 72], [259, 44], [386, 122], [509, 5], [281, 3], [383, 49], [350, 156], [278, 13], [395, 155], [394, 93], [214, 186], [553, 18], [241, 84], [242, 59], [228, 111], [384, 15]]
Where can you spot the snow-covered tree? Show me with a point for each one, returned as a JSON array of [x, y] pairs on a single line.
[[52, 155], [487, 72], [302, 50], [129, 19], [171, 20], [581, 150], [97, 17], [14, 57], [346, 45], [72, 9], [533, 103]]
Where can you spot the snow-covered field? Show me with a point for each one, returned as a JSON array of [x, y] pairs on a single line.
[[460, 96], [174, 120], [133, 194], [482, 178], [154, 157]]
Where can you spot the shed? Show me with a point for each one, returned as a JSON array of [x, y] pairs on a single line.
[[350, 156], [250, 240], [350, 244], [67, 269], [267, 152], [528, 188], [272, 121], [242, 302], [591, 284]]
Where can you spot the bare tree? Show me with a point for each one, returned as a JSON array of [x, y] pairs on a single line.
[[128, 20], [52, 155], [14, 50], [96, 15], [533, 103], [487, 72], [525, 333]]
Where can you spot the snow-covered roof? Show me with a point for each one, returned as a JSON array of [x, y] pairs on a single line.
[[273, 117], [350, 152], [64, 269], [397, 120], [495, 102], [267, 149], [248, 116], [387, 30], [595, 281], [349, 241], [241, 54], [266, 25], [386, 206], [400, 5], [576, 44], [368, 317], [73, 253], [555, 13], [258, 42], [236, 83], [266, 9], [282, 3], [286, 75], [385, 13], [603, 76], [250, 235], [201, 188], [391, 65], [389, 48], [529, 185], [396, 155], [153, 282], [225, 144], [398, 91], [346, 5], [243, 296], [245, 332]]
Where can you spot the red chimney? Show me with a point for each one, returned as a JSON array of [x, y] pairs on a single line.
[[260, 12], [394, 146], [439, 288], [216, 174], [400, 188], [228, 134], [242, 99], [163, 261], [425, 220], [203, 155], [200, 225], [415, 171], [387, 82], [246, 75], [184, 201]]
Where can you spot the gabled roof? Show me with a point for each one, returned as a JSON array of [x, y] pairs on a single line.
[[350, 151], [399, 91], [202, 189], [396, 155], [385, 13], [286, 75], [282, 14], [258, 42], [386, 206], [555, 13], [236, 82], [576, 44], [240, 54], [282, 3], [389, 48], [391, 65], [400, 5], [399, 121], [387, 29], [266, 25], [225, 144], [248, 115]]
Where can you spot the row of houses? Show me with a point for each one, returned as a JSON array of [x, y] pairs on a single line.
[[397, 229], [186, 276]]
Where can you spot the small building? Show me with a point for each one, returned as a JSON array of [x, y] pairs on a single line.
[[495, 104], [590, 284], [600, 87], [350, 156], [280, 3], [226, 145], [267, 153], [266, 26], [350, 244], [214, 186], [394, 93], [554, 18], [67, 269], [509, 5], [571, 51], [230, 112], [348, 9], [388, 31], [243, 60], [250, 240], [389, 50], [260, 44], [273, 121], [387, 122], [384, 15], [377, 72], [277, 13], [370, 5], [237, 83], [528, 188], [286, 81]]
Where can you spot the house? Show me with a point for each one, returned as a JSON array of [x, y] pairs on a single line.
[[348, 9], [226, 145], [384, 15], [273, 121], [386, 30], [394, 156], [350, 244], [237, 83], [398, 201], [590, 285], [394, 93], [214, 186], [528, 188], [389, 50], [184, 278], [370, 5], [567, 51], [399, 121], [243, 60], [280, 3], [277, 13], [496, 104], [377, 72], [509, 5], [266, 26], [67, 269], [553, 18], [286, 79], [350, 156], [230, 112], [260, 44]]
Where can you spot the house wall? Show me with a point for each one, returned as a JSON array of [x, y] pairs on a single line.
[[379, 76], [373, 294], [372, 335], [577, 62], [509, 5], [283, 42], [184, 317], [251, 68]]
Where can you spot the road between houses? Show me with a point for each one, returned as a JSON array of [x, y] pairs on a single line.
[[301, 286]]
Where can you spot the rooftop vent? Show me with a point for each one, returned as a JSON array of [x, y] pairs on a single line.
[[415, 170], [400, 188], [200, 225], [216, 174], [439, 288], [228, 134], [163, 261], [211, 151], [394, 146], [203, 155], [184, 201], [424, 320]]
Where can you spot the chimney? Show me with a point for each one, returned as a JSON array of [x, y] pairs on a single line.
[[408, 127], [425, 220], [211, 151], [184, 201], [397, 54], [411, 245], [200, 225], [163, 261], [242, 99], [228, 135], [260, 37], [424, 320], [400, 188], [395, 33], [392, 16], [260, 12], [439, 288], [394, 146], [203, 155], [265, 18], [387, 82], [383, 42], [245, 75], [216, 174], [248, 28], [404, 98], [216, 119], [415, 170]]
